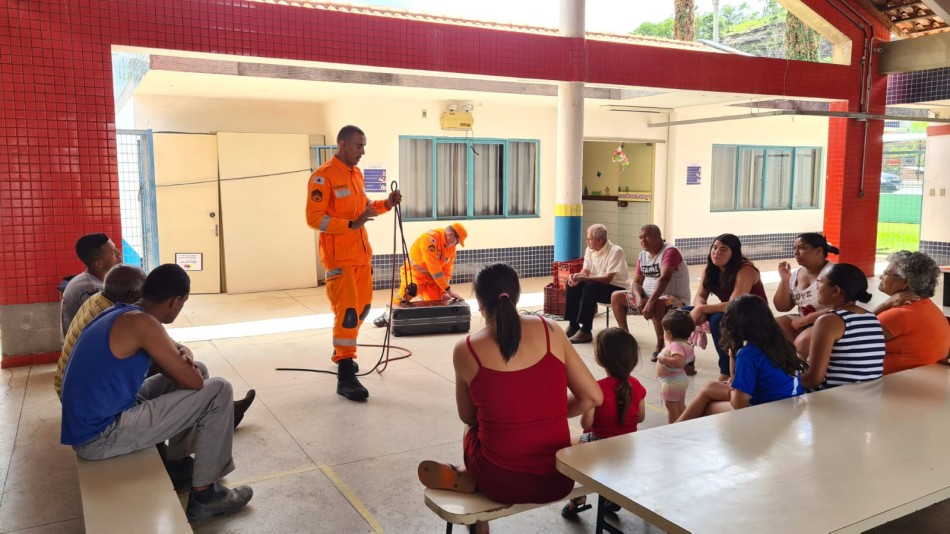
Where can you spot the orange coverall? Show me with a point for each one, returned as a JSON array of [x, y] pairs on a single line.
[[432, 263], [336, 196]]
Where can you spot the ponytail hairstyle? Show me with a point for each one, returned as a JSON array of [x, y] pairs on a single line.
[[816, 240], [497, 289], [851, 280], [618, 352]]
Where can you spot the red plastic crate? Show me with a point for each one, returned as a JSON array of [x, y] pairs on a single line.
[[563, 269], [554, 300]]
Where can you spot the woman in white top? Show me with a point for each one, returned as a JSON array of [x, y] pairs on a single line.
[[799, 288]]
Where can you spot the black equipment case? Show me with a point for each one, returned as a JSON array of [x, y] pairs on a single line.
[[430, 317]]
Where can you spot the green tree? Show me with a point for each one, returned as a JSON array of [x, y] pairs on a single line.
[[801, 42], [655, 29], [684, 25]]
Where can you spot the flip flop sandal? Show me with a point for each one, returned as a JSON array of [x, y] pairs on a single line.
[[611, 507], [655, 356], [435, 475], [573, 507]]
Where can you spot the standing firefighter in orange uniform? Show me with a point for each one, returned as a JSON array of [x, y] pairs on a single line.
[[432, 258], [338, 207]]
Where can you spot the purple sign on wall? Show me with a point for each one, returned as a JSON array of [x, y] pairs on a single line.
[[374, 180], [693, 174]]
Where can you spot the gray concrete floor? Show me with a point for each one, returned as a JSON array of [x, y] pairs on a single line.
[[317, 463]]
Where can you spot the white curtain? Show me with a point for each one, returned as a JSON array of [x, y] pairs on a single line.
[[778, 178], [522, 178], [488, 173], [451, 189], [415, 177], [723, 196], [751, 163], [806, 178]]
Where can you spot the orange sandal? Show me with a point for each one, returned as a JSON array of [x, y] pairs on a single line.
[[435, 475]]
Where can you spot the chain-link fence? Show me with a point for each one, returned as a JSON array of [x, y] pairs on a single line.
[[902, 193]]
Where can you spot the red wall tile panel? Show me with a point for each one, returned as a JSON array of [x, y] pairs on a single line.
[[57, 134]]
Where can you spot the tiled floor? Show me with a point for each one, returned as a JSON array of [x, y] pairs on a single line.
[[317, 462]]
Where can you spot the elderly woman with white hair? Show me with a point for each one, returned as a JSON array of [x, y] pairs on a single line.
[[916, 331]]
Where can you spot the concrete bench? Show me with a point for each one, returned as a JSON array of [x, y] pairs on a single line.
[[468, 508], [130, 493]]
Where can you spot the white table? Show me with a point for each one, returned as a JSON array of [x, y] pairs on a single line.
[[842, 460]]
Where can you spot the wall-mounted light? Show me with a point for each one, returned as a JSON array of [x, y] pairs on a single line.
[[467, 108], [452, 107]]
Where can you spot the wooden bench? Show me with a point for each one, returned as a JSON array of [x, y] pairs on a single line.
[[468, 508], [130, 493]]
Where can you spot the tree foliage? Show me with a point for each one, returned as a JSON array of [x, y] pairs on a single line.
[[801, 42]]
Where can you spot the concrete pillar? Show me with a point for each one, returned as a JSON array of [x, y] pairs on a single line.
[[569, 211]]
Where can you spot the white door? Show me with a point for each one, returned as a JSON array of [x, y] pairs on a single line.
[[186, 195], [267, 243]]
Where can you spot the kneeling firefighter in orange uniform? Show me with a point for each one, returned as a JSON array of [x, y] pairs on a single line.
[[337, 206], [431, 260]]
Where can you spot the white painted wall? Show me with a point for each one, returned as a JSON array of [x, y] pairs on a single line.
[[623, 224], [385, 119], [688, 205], [933, 224], [204, 115]]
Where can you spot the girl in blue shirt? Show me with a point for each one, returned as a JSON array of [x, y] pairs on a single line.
[[765, 365]]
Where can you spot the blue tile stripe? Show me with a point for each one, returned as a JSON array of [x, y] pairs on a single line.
[[529, 262], [938, 250], [920, 86]]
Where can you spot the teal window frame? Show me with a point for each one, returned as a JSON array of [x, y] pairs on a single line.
[[790, 204], [470, 177]]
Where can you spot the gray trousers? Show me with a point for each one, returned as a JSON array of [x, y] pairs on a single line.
[[199, 422]]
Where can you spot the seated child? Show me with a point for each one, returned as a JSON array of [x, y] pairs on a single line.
[[765, 364], [623, 407]]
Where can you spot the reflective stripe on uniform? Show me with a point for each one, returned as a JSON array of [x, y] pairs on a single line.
[[421, 269], [343, 342], [334, 272], [438, 275], [324, 223]]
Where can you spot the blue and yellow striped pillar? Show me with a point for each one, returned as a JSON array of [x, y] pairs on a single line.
[[568, 222]]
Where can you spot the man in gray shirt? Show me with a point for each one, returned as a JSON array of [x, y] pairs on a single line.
[[99, 254]]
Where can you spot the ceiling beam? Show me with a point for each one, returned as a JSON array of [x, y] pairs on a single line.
[[910, 55]]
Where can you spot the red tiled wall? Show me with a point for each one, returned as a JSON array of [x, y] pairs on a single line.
[[58, 174]]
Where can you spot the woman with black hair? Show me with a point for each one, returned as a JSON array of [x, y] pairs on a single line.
[[847, 344], [728, 275], [766, 366], [799, 288], [512, 379]]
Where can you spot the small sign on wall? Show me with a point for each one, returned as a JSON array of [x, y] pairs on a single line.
[[693, 174], [374, 180], [189, 261]]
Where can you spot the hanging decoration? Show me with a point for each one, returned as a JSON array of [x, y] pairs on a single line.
[[620, 157]]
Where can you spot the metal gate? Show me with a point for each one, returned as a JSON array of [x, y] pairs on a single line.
[[902, 194], [137, 198]]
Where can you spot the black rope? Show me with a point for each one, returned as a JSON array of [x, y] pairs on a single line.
[[384, 358]]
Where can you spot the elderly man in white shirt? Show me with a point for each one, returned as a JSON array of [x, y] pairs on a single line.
[[605, 270]]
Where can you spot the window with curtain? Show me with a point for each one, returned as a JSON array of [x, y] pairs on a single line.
[[764, 178], [450, 178]]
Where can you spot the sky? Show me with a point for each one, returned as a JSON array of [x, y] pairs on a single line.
[[611, 16]]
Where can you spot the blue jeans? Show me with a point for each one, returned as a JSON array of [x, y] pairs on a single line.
[[714, 320]]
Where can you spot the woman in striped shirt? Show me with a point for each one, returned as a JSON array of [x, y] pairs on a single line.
[[848, 343]]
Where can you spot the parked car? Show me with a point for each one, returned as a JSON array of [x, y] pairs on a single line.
[[890, 182]]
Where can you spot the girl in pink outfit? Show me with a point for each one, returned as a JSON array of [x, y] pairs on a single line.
[[671, 362]]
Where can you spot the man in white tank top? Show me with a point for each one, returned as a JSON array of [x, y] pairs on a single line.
[[660, 283]]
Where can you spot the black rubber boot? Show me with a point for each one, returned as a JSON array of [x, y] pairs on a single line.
[[381, 321], [346, 382]]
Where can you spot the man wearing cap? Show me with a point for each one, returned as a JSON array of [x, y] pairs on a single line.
[[431, 260]]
